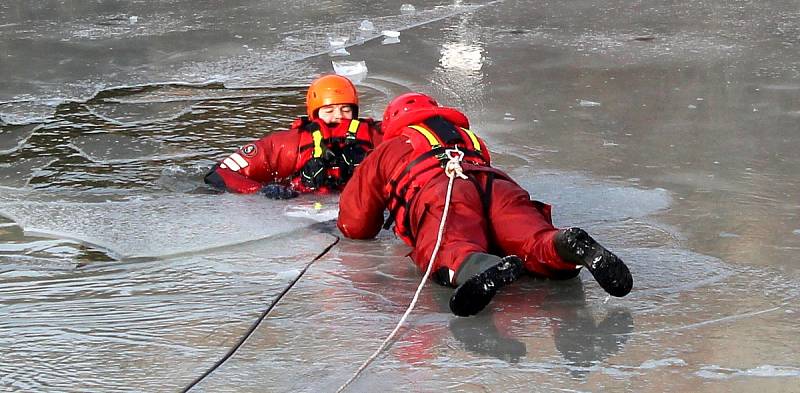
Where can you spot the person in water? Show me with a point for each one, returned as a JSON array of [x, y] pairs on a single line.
[[494, 231], [318, 152]]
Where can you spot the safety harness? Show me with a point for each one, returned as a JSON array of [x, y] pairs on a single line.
[[431, 141], [335, 151]]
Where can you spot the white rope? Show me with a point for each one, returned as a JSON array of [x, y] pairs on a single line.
[[453, 170]]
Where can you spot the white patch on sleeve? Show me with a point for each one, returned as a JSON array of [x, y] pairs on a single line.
[[231, 164], [240, 160], [452, 273], [223, 166]]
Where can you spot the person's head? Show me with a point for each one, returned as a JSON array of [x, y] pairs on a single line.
[[332, 98], [406, 109]]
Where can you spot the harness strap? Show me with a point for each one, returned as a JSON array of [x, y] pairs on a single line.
[[317, 137], [428, 135], [353, 129], [475, 144], [439, 133], [445, 130], [319, 142]]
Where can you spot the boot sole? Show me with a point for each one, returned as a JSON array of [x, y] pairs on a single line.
[[608, 270], [473, 296]]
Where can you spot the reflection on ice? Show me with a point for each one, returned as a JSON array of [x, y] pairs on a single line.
[[461, 56]]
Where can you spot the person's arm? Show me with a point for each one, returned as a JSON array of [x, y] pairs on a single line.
[[364, 199], [269, 159]]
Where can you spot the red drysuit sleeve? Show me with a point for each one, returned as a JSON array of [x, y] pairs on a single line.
[[272, 158], [364, 198]]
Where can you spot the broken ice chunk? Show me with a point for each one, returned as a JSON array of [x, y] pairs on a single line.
[[355, 70], [587, 103], [340, 52], [366, 25], [337, 45]]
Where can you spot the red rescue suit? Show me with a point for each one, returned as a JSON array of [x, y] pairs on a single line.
[[488, 213], [280, 156]]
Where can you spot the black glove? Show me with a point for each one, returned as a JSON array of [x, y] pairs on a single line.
[[352, 155], [314, 173], [278, 191]]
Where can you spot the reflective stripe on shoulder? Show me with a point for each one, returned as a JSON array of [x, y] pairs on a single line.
[[427, 134], [475, 144]]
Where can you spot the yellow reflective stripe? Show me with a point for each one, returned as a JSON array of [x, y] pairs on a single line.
[[475, 144], [317, 135], [428, 135], [353, 126]]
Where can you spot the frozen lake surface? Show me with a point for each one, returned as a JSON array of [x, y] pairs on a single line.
[[669, 130]]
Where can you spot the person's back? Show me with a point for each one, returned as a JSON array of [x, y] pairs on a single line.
[[489, 211]]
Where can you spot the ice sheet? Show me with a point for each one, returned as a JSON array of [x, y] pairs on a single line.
[[535, 332], [118, 148], [157, 226], [579, 200], [189, 50], [12, 138], [143, 321], [20, 172]]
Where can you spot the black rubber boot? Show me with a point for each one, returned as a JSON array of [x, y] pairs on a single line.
[[476, 292], [574, 245]]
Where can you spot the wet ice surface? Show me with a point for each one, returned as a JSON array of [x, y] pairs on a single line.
[[12, 138], [667, 130], [251, 44]]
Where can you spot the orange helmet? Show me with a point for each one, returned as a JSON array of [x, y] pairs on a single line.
[[330, 90]]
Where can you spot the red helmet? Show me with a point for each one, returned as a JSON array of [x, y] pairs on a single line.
[[404, 107], [330, 90]]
